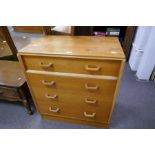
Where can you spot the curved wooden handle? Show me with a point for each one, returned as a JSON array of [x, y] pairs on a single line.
[[96, 68], [46, 65], [51, 83], [90, 101], [51, 97], [91, 87], [89, 115], [53, 110]]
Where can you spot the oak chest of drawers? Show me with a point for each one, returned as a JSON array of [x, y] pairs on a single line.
[[72, 78]]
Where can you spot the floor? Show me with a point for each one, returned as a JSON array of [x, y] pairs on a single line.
[[135, 108]]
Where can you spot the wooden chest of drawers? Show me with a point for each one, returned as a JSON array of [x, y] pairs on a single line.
[[72, 78]]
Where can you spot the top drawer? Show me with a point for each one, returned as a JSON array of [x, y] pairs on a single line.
[[73, 65]]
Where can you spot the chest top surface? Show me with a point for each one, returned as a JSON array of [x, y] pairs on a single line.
[[84, 46]]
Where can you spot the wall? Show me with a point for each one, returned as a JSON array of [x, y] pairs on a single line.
[[148, 59]]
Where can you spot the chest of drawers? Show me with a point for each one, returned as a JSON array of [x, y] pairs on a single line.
[[72, 78]]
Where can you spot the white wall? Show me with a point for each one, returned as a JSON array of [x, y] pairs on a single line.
[[148, 59], [138, 46], [141, 37]]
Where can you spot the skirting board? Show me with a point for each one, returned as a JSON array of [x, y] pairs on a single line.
[[96, 124]]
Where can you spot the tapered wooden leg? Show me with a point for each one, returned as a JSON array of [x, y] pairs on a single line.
[[28, 107], [24, 94]]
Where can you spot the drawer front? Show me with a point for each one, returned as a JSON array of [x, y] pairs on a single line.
[[74, 111], [71, 65], [80, 87], [9, 93], [69, 97]]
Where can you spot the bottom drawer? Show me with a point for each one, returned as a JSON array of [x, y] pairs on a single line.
[[88, 113], [69, 120]]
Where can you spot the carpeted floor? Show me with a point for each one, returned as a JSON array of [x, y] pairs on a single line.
[[135, 108]]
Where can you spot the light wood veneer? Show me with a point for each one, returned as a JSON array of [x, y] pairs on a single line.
[[73, 65], [74, 79]]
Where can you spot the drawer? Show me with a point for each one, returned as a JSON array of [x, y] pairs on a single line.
[[81, 87], [71, 99], [74, 111], [9, 93], [71, 65]]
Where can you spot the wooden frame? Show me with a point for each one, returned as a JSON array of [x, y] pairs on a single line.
[[29, 29], [10, 42], [45, 29], [129, 36]]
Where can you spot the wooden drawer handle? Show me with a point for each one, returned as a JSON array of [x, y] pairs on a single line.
[[91, 87], [89, 115], [51, 97], [51, 83], [88, 68], [53, 110], [90, 101], [46, 65]]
